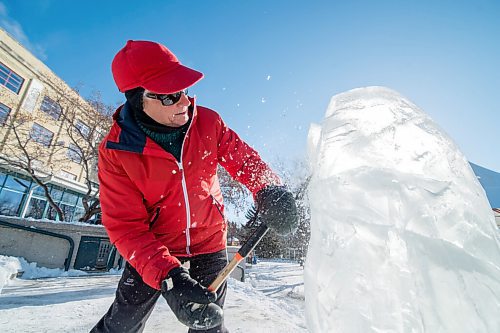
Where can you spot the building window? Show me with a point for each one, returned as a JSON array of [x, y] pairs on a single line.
[[10, 79], [74, 153], [4, 113], [36, 208], [68, 202], [83, 129], [14, 183], [41, 135], [12, 193], [10, 202], [51, 108], [67, 175]]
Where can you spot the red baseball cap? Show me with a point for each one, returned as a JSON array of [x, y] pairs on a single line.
[[152, 66]]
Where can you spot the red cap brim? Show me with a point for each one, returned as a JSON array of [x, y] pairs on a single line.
[[174, 80]]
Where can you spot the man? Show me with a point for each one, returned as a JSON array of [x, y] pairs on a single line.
[[160, 196]]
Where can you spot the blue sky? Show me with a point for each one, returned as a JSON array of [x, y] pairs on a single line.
[[271, 66]]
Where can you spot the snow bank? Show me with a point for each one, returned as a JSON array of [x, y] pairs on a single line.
[[45, 220], [9, 267], [32, 271], [402, 236]]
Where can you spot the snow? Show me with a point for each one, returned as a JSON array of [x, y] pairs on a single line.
[[12, 266], [9, 267], [402, 236], [270, 300], [45, 220]]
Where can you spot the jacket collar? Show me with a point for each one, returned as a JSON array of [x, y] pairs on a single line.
[[130, 136]]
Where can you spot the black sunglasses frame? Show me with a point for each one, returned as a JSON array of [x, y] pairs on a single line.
[[168, 99]]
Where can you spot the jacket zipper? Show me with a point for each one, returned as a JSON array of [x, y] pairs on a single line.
[[186, 201], [184, 189]]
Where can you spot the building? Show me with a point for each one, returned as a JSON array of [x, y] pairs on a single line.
[[490, 181], [29, 90], [496, 211]]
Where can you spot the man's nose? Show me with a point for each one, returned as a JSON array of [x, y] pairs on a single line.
[[184, 101]]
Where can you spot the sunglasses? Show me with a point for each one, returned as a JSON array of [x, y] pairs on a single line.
[[168, 99]]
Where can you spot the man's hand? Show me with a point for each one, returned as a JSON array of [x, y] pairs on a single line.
[[187, 289], [277, 209], [191, 303]]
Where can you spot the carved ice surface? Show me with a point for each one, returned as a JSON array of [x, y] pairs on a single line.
[[402, 236]]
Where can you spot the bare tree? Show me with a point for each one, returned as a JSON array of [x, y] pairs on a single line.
[[78, 125], [28, 149], [86, 123]]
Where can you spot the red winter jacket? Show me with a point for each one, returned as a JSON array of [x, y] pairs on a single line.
[[155, 208]]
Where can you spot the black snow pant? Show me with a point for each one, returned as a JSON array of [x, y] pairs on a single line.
[[135, 300]]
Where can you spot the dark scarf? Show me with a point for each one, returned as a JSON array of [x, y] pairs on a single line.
[[169, 138]]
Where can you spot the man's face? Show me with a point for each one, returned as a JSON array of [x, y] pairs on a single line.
[[174, 115]]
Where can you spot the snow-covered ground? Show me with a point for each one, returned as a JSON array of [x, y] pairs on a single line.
[[270, 300]]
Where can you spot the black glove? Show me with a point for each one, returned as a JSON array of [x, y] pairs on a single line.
[[277, 209], [191, 303]]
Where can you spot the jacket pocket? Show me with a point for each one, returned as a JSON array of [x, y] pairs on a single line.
[[155, 218], [218, 206]]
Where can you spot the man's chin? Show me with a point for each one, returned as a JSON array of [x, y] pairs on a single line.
[[178, 121]]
